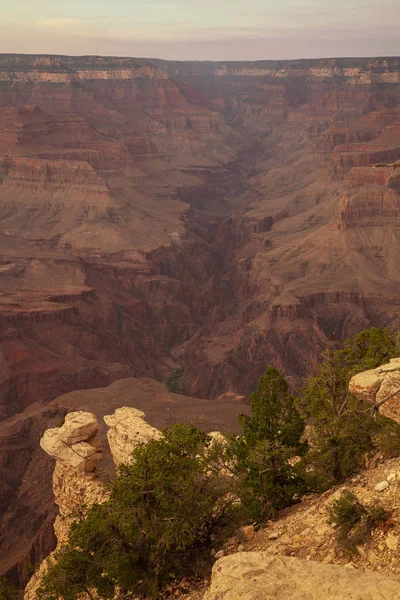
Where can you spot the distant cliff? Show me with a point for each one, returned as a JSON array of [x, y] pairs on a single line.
[[217, 216]]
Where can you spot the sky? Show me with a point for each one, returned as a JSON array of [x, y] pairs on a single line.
[[202, 29]]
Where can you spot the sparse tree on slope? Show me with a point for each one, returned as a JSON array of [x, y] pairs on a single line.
[[271, 437], [344, 430], [160, 514]]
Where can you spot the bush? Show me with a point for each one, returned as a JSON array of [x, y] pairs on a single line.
[[344, 430], [370, 349], [174, 381], [354, 521], [7, 591], [158, 520]]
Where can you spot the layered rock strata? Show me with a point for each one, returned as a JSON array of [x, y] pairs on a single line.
[[220, 216]]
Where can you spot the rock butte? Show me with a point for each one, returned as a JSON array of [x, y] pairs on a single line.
[[224, 216]]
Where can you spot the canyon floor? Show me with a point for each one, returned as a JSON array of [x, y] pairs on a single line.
[[153, 214]]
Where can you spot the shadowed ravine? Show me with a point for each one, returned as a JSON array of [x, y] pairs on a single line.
[[220, 216]]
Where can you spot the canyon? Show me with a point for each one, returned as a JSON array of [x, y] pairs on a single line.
[[157, 214], [297, 553]]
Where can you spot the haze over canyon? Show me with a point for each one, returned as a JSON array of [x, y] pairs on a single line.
[[221, 216]]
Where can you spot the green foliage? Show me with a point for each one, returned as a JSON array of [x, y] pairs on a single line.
[[274, 416], [271, 437], [112, 214], [174, 381], [29, 570], [167, 506], [370, 349], [7, 591], [344, 430], [387, 437], [354, 522], [160, 515]]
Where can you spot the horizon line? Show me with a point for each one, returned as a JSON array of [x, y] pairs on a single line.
[[50, 54]]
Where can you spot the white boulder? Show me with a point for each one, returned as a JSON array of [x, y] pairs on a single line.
[[76, 443], [127, 430]]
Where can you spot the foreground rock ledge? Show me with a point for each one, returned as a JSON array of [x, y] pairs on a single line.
[[259, 576]]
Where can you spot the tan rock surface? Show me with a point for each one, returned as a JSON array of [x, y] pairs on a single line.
[[377, 384], [73, 490], [303, 530], [259, 576], [76, 447], [76, 442], [78, 426], [127, 430]]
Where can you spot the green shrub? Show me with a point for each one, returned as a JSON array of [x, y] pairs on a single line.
[[7, 591], [174, 381], [344, 430], [370, 349], [158, 520], [354, 522], [386, 437]]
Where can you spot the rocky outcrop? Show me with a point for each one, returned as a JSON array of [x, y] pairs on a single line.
[[76, 443], [370, 206], [259, 576], [77, 477], [127, 430], [380, 387], [27, 509], [74, 493], [77, 447]]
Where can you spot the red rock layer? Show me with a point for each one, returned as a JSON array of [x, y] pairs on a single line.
[[223, 216]]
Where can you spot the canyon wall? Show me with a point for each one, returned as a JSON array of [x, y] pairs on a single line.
[[219, 216]]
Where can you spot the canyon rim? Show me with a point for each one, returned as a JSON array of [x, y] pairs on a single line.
[[216, 216]]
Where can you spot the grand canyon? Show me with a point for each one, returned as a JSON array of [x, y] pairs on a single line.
[[154, 215]]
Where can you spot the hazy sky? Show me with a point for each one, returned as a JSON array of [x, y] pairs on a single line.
[[202, 29]]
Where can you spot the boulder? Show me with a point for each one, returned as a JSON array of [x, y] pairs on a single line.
[[247, 533], [377, 384], [382, 486], [217, 438], [260, 576], [127, 430], [78, 426], [365, 385], [76, 443]]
